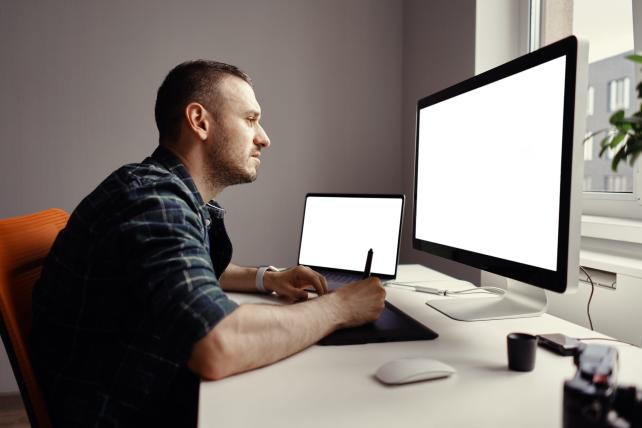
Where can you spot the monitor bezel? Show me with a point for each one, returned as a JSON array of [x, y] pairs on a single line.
[[533, 275], [356, 195]]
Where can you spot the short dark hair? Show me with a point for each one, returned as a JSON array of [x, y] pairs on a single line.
[[191, 81]]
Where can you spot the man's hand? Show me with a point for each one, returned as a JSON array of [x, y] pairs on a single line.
[[360, 302], [290, 284], [256, 335]]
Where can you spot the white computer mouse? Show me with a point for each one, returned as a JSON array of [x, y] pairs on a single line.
[[406, 370]]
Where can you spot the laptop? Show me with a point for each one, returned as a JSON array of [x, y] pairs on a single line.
[[337, 232]]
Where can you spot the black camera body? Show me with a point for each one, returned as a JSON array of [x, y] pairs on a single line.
[[592, 399]]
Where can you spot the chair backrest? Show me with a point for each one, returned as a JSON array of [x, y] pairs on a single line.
[[24, 243]]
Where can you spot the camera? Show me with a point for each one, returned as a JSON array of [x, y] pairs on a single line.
[[593, 399]]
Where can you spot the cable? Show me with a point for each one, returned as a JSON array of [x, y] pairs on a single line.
[[493, 290], [443, 292], [588, 305]]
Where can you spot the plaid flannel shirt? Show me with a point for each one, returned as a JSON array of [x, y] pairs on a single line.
[[129, 286]]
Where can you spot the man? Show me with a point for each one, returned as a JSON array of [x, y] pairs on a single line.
[[129, 313]]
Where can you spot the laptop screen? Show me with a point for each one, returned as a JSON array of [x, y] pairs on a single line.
[[338, 230]]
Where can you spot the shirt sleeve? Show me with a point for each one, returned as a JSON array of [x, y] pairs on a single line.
[[171, 269]]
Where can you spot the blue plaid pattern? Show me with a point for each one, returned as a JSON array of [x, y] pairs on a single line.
[[129, 286]]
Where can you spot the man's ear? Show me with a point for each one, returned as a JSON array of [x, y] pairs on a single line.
[[198, 121]]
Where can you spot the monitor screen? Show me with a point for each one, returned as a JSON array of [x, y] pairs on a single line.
[[496, 169], [338, 231]]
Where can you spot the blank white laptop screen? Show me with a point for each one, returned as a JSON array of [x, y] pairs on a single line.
[[338, 231]]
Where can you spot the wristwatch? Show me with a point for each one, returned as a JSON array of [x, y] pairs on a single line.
[[259, 277]]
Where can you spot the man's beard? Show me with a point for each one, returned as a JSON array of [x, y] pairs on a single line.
[[220, 172]]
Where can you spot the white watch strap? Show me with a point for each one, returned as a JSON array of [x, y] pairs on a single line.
[[259, 277]]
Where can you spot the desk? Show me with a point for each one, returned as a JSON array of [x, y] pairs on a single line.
[[334, 386]]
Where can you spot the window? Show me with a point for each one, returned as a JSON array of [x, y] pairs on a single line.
[[588, 148], [609, 28], [619, 94], [615, 183], [590, 101]]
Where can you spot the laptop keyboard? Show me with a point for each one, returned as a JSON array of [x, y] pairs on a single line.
[[341, 277]]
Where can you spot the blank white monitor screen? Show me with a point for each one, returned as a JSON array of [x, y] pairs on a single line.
[[338, 231], [488, 167]]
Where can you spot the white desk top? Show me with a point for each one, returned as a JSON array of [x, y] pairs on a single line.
[[334, 385]]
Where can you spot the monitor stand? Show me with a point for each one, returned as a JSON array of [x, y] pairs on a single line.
[[520, 301]]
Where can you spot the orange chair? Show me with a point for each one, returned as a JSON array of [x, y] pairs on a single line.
[[24, 243]]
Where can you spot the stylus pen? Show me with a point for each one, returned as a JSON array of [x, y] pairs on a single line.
[[366, 270]]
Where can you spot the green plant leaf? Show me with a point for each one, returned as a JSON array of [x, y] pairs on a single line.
[[616, 117], [637, 127], [619, 156], [603, 150], [605, 145], [634, 145], [632, 120], [633, 149], [617, 140], [624, 126], [625, 135], [635, 58]]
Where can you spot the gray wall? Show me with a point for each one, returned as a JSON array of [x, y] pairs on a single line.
[[438, 51], [78, 82], [337, 79]]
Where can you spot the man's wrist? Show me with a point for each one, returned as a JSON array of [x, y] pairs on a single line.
[[335, 309], [268, 280], [264, 279]]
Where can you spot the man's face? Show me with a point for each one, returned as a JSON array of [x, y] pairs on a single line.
[[236, 135]]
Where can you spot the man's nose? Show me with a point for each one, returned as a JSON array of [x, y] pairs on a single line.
[[262, 138]]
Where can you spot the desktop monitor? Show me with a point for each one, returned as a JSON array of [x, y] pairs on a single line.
[[498, 170]]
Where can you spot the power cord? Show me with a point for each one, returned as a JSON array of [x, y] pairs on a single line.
[[588, 305], [443, 292], [493, 290]]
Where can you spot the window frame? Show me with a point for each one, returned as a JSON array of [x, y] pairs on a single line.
[[605, 204]]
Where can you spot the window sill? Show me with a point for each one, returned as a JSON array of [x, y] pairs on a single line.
[[612, 229], [612, 244], [621, 265]]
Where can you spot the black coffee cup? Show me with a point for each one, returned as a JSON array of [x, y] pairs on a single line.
[[521, 351]]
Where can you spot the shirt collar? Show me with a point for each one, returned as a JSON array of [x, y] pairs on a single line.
[[166, 158], [215, 209]]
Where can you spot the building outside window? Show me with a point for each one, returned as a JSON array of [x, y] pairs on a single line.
[[588, 149], [609, 27], [590, 101], [610, 72], [615, 183], [619, 94]]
